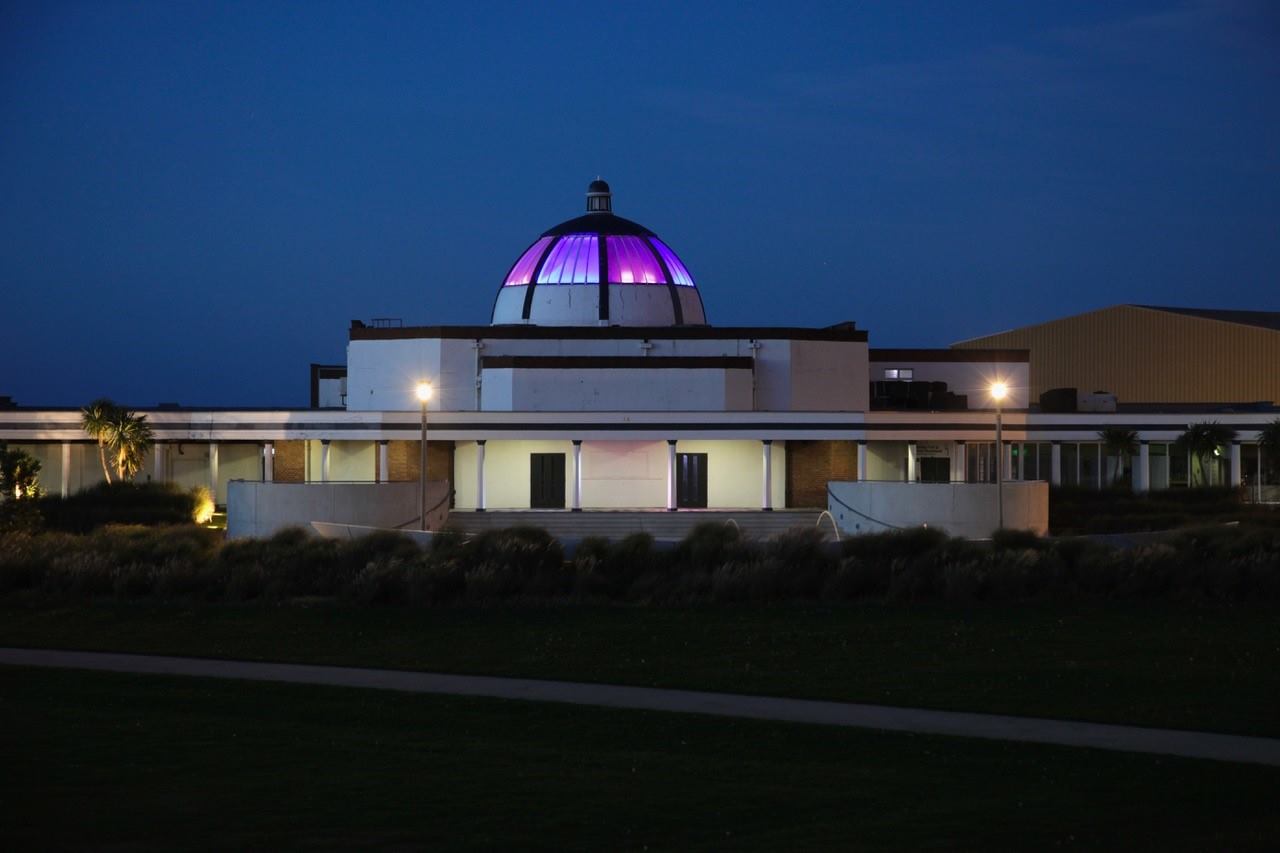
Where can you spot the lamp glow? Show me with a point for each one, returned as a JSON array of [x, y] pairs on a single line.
[[999, 391], [423, 391]]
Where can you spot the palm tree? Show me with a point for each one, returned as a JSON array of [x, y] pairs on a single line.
[[128, 438], [94, 419], [1203, 441], [1120, 443], [1269, 446]]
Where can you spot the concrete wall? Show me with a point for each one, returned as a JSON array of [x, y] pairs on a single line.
[[820, 376], [828, 376], [960, 509], [261, 509], [621, 474], [616, 390]]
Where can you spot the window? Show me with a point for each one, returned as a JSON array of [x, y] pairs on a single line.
[[899, 372]]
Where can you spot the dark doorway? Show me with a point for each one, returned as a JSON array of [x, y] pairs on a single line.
[[691, 480], [546, 480], [935, 469]]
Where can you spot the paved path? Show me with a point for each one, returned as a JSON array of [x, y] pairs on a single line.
[[1253, 750]]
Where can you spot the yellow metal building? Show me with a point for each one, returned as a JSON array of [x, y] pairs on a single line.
[[1153, 354]]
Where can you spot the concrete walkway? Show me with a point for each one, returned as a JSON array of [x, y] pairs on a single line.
[[1252, 750]]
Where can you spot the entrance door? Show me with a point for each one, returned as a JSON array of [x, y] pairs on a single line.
[[935, 469], [546, 480], [691, 480]]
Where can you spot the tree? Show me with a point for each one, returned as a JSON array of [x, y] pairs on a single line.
[[1269, 446], [1204, 441], [128, 437], [94, 419], [1120, 443], [19, 473]]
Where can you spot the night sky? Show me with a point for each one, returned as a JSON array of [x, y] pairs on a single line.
[[196, 199]]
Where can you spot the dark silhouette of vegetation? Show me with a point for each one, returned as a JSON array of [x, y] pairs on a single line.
[[713, 564]]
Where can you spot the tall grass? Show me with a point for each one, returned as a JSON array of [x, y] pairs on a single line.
[[714, 563]]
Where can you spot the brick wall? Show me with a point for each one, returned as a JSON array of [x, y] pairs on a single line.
[[290, 464], [402, 460], [812, 464]]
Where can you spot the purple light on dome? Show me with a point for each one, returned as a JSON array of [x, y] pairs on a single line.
[[632, 262], [679, 272], [575, 259], [522, 272]]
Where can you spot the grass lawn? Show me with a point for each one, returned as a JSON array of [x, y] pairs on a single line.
[[1171, 665], [149, 763]]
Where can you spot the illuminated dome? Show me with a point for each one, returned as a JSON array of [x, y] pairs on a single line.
[[599, 270]]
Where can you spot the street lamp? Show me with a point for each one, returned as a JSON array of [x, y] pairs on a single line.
[[423, 392], [999, 391]]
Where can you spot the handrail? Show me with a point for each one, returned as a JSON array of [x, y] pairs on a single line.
[[835, 528], [833, 497], [421, 518]]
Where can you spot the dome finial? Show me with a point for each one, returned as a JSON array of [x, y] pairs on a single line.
[[599, 198]]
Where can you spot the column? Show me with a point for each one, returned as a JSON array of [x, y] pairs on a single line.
[[671, 475], [158, 469], [959, 463], [1102, 463], [1055, 464], [324, 460], [1142, 474], [911, 461], [1235, 465], [862, 461], [269, 462], [384, 473], [66, 468], [480, 475], [213, 470], [576, 479], [766, 500], [1006, 459]]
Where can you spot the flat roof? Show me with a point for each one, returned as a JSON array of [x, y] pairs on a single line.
[[360, 332]]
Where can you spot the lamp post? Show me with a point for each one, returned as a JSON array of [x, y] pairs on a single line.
[[423, 392], [999, 391]]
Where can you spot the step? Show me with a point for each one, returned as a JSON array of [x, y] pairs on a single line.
[[616, 524]]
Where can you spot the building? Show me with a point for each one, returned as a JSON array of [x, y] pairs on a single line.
[[600, 384]]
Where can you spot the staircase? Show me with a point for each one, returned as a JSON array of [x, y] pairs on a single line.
[[616, 524]]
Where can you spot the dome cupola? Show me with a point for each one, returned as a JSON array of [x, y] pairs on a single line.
[[599, 270]]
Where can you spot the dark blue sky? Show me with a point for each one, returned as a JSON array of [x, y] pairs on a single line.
[[196, 198]]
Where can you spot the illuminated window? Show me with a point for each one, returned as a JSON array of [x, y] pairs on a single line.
[[899, 372], [631, 261], [522, 272], [573, 260], [679, 272]]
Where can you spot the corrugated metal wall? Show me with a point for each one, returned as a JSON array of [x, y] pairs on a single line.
[[1147, 356]]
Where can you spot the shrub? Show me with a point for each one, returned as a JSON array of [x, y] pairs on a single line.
[[118, 503], [517, 560]]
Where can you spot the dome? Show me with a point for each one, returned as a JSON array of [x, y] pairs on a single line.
[[599, 270]]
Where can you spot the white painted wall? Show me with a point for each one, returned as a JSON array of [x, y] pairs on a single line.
[[960, 509], [790, 375], [735, 471], [621, 474], [349, 461], [828, 376], [885, 460], [616, 390], [261, 509]]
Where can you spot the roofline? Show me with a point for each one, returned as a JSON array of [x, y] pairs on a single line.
[[361, 332], [949, 355]]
